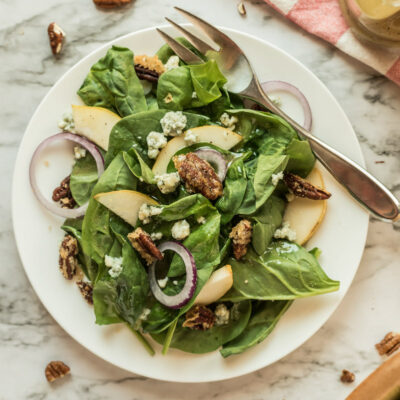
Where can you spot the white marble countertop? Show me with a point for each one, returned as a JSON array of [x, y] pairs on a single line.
[[29, 337]]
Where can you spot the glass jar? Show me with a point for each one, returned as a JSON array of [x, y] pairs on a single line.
[[376, 21]]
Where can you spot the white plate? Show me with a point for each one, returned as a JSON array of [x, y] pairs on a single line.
[[341, 236]]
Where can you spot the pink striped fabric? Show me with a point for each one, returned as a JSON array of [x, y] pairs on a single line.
[[324, 19]]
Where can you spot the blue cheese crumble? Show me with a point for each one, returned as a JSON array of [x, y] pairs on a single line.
[[172, 63], [285, 232], [156, 236], [180, 230], [67, 122], [155, 142], [115, 265], [146, 212], [173, 123], [79, 152], [275, 178], [221, 315], [191, 137], [167, 183], [162, 282], [201, 220], [228, 121]]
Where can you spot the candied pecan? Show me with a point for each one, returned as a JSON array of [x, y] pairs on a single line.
[[56, 37], [148, 65], [86, 290], [389, 344], [302, 188], [347, 376], [198, 175], [199, 318], [67, 261], [55, 370], [63, 194], [109, 4], [144, 245], [146, 74], [241, 237]]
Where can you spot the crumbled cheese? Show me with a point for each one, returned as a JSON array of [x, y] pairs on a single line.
[[175, 283], [146, 212], [172, 62], [290, 196], [145, 313], [228, 121], [67, 122], [194, 95], [191, 137], [246, 281], [275, 178], [79, 152], [180, 230], [155, 142], [285, 232], [201, 220], [156, 236], [162, 282], [115, 265], [168, 98], [173, 123], [221, 315], [276, 100], [167, 183]]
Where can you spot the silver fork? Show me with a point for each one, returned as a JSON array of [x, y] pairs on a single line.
[[242, 80]]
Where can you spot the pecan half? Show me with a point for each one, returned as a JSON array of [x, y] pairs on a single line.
[[67, 260], [55, 370], [86, 290], [109, 4], [389, 344], [146, 74], [63, 195], [144, 245], [199, 318], [347, 376], [241, 237], [56, 37], [148, 68], [198, 175], [302, 188]]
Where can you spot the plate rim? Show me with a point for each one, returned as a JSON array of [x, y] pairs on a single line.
[[246, 370]]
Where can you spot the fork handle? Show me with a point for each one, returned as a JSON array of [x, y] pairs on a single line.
[[364, 187]]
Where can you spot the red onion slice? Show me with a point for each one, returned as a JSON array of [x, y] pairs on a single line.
[[216, 158], [271, 86], [184, 296], [52, 206]]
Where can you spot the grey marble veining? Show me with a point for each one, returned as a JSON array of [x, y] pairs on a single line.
[[29, 337]]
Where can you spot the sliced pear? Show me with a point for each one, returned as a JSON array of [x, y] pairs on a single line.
[[305, 215], [219, 283], [221, 137], [125, 203], [95, 123]]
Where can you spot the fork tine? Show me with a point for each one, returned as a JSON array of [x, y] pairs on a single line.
[[216, 35], [184, 53], [201, 46]]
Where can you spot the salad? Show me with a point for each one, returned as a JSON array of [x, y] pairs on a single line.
[[186, 208]]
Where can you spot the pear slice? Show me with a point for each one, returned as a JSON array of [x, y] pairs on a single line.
[[95, 123], [221, 137], [305, 215], [125, 203], [219, 283]]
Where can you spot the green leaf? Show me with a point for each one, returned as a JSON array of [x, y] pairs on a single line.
[[165, 52], [112, 83], [199, 342], [286, 271], [301, 157], [104, 295], [138, 167], [264, 317]]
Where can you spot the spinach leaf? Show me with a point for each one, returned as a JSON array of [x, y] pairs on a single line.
[[131, 132], [265, 222], [138, 167], [199, 342], [104, 295], [301, 157], [165, 52], [264, 317], [286, 271], [83, 178], [97, 238], [112, 83]]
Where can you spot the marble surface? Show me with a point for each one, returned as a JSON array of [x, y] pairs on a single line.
[[29, 337]]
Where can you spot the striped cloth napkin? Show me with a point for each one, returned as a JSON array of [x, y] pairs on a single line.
[[324, 18]]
